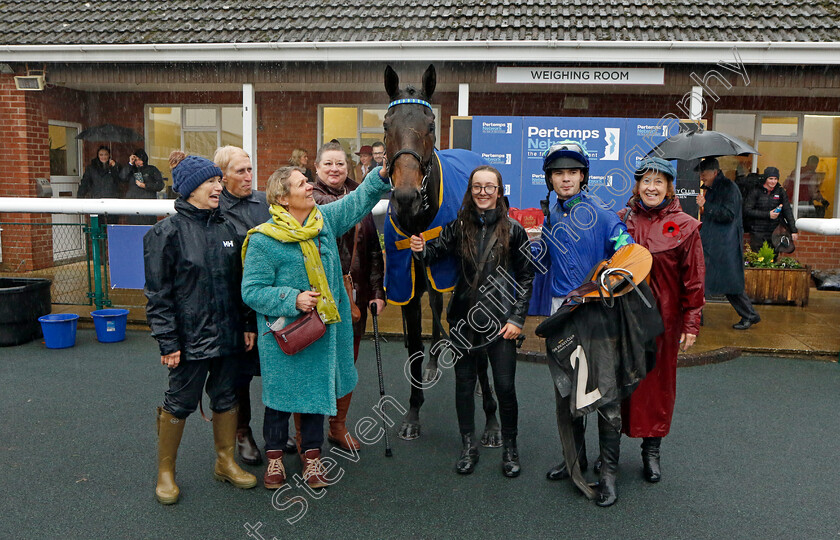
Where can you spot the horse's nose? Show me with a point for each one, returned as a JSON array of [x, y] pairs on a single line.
[[407, 199]]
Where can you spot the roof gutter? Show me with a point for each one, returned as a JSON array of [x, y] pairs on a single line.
[[605, 52]]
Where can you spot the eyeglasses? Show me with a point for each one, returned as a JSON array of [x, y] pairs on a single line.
[[566, 145], [490, 190]]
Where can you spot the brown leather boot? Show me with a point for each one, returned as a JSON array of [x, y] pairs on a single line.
[[275, 473], [169, 431], [313, 470], [224, 436], [338, 433]]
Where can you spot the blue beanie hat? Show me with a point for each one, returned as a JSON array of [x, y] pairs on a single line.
[[655, 164], [191, 172]]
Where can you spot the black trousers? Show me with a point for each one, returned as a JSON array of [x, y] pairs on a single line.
[[743, 306], [276, 430], [502, 357], [187, 379]]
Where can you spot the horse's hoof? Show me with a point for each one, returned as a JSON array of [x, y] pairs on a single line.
[[431, 375], [409, 431], [492, 438]]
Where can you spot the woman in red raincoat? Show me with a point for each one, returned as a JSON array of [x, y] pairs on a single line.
[[655, 220]]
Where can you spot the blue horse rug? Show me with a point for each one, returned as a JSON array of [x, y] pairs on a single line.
[[455, 168]]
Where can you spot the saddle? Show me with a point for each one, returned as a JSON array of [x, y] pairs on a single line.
[[610, 278]]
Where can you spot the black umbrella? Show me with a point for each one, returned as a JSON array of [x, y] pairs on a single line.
[[110, 133], [701, 144]]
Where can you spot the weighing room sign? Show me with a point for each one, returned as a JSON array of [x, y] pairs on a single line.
[[579, 75]]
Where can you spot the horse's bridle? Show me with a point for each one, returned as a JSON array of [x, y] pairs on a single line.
[[425, 168]]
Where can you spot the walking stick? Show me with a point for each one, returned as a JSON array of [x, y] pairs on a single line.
[[388, 452]]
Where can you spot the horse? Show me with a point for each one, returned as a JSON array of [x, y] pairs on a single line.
[[425, 183]]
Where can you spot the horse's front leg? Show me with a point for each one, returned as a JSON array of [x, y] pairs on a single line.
[[410, 428], [492, 437], [432, 373]]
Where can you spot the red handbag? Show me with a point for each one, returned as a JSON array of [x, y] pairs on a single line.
[[300, 334]]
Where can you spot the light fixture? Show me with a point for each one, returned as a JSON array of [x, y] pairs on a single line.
[[35, 79]]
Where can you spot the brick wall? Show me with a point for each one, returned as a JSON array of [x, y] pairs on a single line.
[[817, 251], [24, 156]]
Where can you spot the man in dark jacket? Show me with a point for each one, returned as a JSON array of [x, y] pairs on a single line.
[[245, 209], [767, 206], [144, 181], [723, 236]]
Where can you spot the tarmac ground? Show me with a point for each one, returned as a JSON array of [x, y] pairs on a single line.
[[752, 454]]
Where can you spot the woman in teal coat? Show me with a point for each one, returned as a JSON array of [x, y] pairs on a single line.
[[292, 266]]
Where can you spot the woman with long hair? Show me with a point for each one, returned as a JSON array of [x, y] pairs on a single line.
[[487, 310]]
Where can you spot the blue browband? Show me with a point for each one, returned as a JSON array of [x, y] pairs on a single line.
[[409, 100]]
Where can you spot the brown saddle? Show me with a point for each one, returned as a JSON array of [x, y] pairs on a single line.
[[616, 276]]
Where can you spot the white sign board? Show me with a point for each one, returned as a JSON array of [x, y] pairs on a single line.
[[580, 75]]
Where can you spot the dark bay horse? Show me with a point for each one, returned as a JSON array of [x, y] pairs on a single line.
[[422, 201]]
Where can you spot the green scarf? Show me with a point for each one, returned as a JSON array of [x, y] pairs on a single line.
[[284, 227]]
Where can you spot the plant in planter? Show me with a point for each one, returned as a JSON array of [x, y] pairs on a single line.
[[772, 280]]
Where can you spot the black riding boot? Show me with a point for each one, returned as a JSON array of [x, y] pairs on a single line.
[[469, 455], [650, 458], [561, 472], [609, 437], [510, 458]]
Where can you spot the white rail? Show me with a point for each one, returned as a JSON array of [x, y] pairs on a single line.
[[828, 227], [131, 207]]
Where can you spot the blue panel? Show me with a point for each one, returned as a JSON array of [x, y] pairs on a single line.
[[125, 256], [515, 145]]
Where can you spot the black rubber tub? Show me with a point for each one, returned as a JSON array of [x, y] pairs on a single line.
[[22, 301]]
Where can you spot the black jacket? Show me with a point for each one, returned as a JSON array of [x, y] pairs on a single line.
[[150, 176], [100, 181], [493, 289], [245, 213], [758, 205], [193, 272]]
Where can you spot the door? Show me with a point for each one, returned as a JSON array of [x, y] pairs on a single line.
[[65, 175]]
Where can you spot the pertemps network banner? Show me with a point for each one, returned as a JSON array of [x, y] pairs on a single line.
[[515, 145]]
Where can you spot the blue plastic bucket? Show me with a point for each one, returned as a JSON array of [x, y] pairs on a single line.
[[59, 330], [109, 324]]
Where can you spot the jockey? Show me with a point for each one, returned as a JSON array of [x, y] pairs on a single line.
[[578, 233]]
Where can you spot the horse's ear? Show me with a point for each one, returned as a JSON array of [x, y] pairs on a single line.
[[392, 82], [429, 81]]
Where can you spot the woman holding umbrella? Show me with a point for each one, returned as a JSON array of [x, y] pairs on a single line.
[[101, 178]]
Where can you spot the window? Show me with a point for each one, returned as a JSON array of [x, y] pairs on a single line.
[[64, 150], [356, 125], [197, 130], [804, 147]]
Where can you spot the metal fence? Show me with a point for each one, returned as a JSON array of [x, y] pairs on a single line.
[[72, 270]]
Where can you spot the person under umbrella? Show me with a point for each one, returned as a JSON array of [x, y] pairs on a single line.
[[722, 233]]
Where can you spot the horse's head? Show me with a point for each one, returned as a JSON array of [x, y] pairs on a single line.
[[409, 143]]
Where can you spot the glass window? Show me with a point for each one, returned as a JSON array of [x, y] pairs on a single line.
[[373, 118], [200, 118], [780, 126], [195, 130], [742, 126], [64, 151], [818, 173]]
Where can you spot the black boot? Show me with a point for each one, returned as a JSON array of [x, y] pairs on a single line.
[[609, 437], [561, 472], [510, 458], [469, 455], [650, 459], [245, 443]]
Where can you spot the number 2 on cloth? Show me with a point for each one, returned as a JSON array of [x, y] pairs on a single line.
[[582, 398]]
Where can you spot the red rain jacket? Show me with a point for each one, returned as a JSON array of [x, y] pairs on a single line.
[[677, 279]]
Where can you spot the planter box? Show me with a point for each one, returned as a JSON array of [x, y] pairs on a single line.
[[778, 285]]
